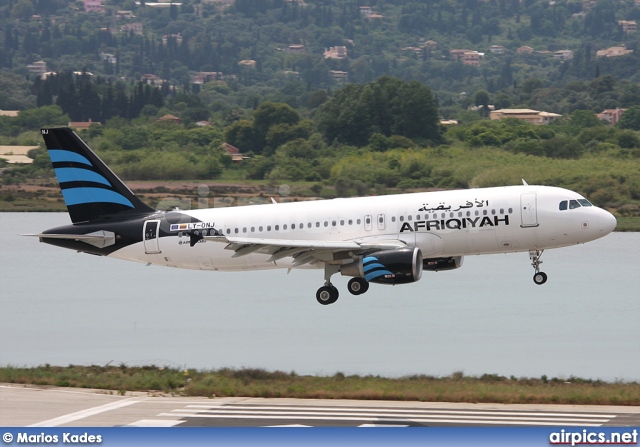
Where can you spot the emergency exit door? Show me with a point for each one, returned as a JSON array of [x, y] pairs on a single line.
[[150, 235]]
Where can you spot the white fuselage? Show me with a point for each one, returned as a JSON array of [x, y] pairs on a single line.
[[441, 224]]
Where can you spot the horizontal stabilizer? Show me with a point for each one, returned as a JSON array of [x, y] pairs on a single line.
[[98, 239]]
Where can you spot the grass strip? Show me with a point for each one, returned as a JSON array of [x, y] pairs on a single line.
[[257, 382]]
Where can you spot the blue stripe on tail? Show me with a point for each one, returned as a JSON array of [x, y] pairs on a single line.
[[58, 155], [78, 196], [79, 175]]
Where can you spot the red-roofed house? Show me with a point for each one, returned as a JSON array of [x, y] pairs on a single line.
[[169, 119], [611, 116], [93, 5], [80, 125], [233, 152]]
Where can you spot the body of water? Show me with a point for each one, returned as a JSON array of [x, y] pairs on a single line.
[[62, 307]]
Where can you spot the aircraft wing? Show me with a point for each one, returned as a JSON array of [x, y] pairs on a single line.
[[304, 251]]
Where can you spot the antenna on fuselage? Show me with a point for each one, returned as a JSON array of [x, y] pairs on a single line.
[[524, 182]]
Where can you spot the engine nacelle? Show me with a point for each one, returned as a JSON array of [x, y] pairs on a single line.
[[440, 264], [400, 266]]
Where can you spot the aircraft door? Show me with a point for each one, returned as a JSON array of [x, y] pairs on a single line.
[[150, 235], [529, 209]]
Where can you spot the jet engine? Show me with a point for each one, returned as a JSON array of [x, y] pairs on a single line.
[[399, 266], [440, 264]]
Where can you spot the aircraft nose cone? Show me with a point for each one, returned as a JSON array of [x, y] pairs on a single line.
[[607, 222]]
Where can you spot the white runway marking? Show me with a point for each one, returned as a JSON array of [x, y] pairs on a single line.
[[155, 423], [383, 416], [399, 411], [84, 413]]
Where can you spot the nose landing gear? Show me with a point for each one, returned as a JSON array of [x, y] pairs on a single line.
[[539, 277]]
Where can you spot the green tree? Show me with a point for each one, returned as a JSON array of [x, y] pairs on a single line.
[[270, 114], [502, 101], [531, 84], [599, 134], [630, 119], [481, 99], [316, 99], [242, 135], [279, 134], [628, 139], [582, 119], [530, 147], [602, 84], [379, 142], [415, 112], [562, 147], [388, 106], [630, 95], [15, 92], [259, 167], [42, 117], [23, 9], [343, 117]]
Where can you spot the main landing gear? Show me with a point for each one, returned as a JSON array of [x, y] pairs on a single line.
[[539, 277], [358, 286], [329, 294]]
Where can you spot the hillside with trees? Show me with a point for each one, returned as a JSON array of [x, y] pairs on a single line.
[[342, 97], [287, 41]]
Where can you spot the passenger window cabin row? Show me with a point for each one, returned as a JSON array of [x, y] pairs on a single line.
[[493, 212], [326, 223], [335, 223]]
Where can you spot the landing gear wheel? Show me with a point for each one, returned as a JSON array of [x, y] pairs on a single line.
[[358, 286], [327, 295], [540, 278]]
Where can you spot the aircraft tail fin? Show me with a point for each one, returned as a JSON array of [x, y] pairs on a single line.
[[90, 189]]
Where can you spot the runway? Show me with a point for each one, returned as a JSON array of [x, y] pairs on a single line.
[[30, 406]]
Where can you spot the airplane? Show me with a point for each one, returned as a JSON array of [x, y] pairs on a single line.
[[379, 239]]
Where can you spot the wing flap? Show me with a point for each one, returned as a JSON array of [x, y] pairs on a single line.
[[290, 243], [304, 251]]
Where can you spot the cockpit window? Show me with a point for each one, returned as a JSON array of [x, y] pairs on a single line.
[[573, 204]]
